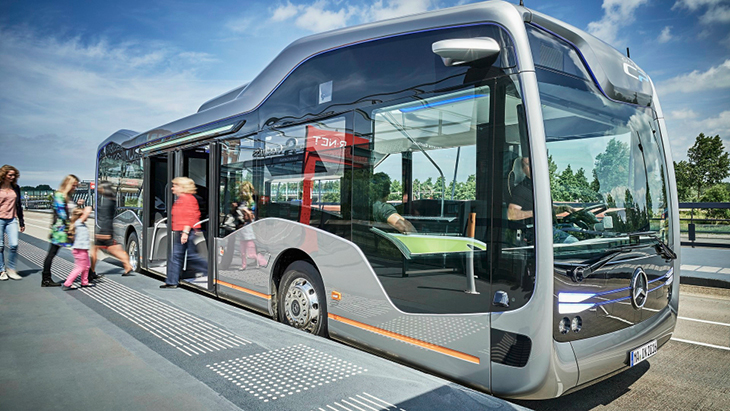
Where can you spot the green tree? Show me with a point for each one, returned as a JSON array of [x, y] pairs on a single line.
[[717, 194], [683, 174], [709, 163], [396, 191], [612, 166]]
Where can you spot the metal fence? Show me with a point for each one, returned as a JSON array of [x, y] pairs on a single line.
[[41, 200], [701, 230]]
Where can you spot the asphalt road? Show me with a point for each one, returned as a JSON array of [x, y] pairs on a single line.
[[691, 372]]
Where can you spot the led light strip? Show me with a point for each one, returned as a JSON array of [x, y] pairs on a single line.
[[572, 303], [193, 136], [245, 290]]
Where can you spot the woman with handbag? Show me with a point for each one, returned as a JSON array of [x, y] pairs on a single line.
[[185, 214], [11, 220], [62, 207]]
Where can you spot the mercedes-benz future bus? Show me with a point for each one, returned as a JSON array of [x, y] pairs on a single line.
[[482, 192]]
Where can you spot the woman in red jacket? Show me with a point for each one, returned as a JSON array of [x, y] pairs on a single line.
[[185, 214]]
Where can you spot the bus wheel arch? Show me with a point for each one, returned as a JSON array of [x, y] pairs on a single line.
[[300, 298]]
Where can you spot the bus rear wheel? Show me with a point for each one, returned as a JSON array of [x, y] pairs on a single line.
[[302, 302]]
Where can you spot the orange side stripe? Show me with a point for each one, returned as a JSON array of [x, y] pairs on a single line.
[[410, 340], [245, 290]]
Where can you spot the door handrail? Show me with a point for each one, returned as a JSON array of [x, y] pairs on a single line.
[[154, 237]]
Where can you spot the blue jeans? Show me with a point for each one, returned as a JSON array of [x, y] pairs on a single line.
[[8, 226], [174, 264]]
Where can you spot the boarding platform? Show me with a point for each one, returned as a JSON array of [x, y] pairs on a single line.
[[127, 344]]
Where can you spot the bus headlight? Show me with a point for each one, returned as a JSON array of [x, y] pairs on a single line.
[[564, 325], [576, 324]]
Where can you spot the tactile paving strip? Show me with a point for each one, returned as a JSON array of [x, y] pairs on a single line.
[[360, 402], [185, 332], [435, 330], [276, 374]]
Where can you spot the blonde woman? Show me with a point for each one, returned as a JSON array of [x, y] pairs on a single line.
[[185, 214], [62, 206], [11, 217]]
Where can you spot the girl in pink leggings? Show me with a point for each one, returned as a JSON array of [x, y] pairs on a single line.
[[80, 249]]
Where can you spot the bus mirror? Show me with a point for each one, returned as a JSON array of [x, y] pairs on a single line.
[[456, 52]]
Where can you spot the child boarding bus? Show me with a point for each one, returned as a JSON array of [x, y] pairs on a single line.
[[482, 192]]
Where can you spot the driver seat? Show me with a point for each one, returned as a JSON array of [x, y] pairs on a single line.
[[516, 175]]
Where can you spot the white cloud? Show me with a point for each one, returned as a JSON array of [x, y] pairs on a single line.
[[683, 130], [316, 18], [322, 15], [617, 14], [62, 97], [683, 114], [694, 5], [717, 10], [718, 14], [712, 79], [718, 125], [381, 9], [285, 12], [665, 35], [239, 25]]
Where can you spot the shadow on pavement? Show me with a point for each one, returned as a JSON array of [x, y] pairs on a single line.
[[600, 394]]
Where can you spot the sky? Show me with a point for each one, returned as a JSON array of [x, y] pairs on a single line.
[[73, 72]]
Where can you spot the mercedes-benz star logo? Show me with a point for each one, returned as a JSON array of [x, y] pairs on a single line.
[[639, 288]]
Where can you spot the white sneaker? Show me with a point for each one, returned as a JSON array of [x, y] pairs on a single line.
[[3, 276], [13, 275]]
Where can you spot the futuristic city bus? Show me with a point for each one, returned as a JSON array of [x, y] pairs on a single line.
[[482, 192]]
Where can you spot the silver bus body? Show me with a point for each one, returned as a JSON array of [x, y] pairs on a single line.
[[468, 347]]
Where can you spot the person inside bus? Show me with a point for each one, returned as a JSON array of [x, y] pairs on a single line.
[[384, 212], [520, 207], [185, 214]]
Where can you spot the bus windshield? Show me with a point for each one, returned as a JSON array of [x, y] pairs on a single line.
[[607, 169]]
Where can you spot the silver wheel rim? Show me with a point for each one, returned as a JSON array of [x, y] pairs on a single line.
[[301, 305], [133, 255]]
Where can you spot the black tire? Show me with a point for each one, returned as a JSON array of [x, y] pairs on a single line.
[[302, 301], [133, 251]]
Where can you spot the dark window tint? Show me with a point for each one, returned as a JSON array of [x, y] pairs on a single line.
[[302, 172], [377, 71], [430, 209]]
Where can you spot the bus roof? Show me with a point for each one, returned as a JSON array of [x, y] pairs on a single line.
[[248, 97]]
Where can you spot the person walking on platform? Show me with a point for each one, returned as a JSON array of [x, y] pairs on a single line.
[[185, 214], [106, 209], [11, 217], [61, 205], [80, 233]]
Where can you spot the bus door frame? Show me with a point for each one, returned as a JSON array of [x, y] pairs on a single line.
[[212, 199], [148, 201]]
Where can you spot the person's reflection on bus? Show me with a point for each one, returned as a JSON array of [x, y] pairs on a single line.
[[384, 212], [248, 215], [185, 214]]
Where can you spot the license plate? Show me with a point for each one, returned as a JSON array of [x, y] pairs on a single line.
[[640, 354]]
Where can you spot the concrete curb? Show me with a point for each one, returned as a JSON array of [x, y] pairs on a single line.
[[704, 282]]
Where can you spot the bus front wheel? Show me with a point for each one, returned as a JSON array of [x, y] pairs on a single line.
[[133, 252], [302, 302]]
